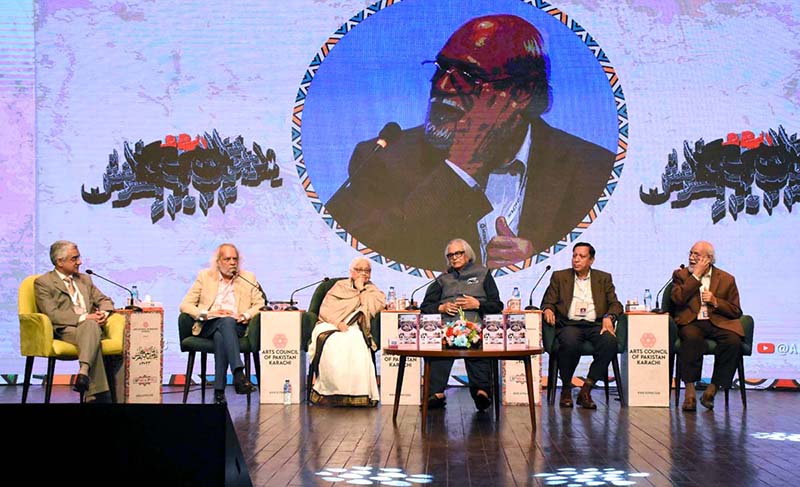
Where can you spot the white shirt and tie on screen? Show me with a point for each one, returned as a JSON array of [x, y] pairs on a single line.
[[505, 190]]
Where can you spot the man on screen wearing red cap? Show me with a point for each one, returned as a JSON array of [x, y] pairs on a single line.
[[484, 165]]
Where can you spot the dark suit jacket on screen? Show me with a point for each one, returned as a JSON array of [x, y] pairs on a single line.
[[406, 203]]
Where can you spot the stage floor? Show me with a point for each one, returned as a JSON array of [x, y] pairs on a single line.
[[300, 445]]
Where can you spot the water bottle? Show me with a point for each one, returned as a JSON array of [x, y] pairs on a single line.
[[134, 295], [391, 299], [515, 303], [648, 300], [287, 392]]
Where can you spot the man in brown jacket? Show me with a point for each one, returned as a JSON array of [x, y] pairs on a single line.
[[705, 304], [583, 306]]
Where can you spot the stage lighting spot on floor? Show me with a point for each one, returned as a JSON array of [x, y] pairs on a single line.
[[777, 436], [572, 477], [365, 475]]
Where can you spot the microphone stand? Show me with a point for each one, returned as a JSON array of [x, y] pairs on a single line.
[[658, 309], [292, 302], [413, 305], [530, 297], [257, 285], [131, 306]]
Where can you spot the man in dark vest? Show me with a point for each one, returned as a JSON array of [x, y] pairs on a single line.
[[470, 287]]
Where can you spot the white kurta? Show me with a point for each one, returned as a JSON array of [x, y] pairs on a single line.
[[345, 367]]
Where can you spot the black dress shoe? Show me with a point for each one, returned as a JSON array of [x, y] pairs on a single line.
[[81, 383], [707, 400], [482, 402], [219, 397], [566, 400], [436, 402], [689, 404], [244, 387], [585, 395]]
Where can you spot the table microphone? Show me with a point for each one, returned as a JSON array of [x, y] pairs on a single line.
[[257, 285], [530, 298], [130, 306], [658, 309], [292, 302], [413, 305]]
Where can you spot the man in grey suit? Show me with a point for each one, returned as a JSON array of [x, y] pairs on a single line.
[[583, 306], [78, 311]]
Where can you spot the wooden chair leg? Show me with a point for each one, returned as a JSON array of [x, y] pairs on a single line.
[[727, 389], [188, 381], [203, 363], [26, 384], [742, 383], [51, 369], [496, 388], [618, 379]]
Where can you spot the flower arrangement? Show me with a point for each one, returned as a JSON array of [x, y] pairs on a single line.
[[462, 333]]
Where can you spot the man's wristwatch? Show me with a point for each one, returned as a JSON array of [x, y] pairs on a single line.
[[609, 315]]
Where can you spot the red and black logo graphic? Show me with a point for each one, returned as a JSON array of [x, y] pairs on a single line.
[[769, 161], [209, 164]]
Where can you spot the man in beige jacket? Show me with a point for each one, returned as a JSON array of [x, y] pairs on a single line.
[[222, 301]]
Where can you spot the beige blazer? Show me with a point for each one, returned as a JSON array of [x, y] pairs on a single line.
[[203, 292], [52, 298]]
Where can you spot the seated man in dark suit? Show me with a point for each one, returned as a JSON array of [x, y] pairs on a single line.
[[582, 304], [78, 311], [705, 304]]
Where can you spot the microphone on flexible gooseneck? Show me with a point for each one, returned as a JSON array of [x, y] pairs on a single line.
[[131, 306], [292, 302], [413, 305], [530, 298], [257, 285], [658, 309]]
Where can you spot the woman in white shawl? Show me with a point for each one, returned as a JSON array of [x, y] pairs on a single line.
[[341, 342]]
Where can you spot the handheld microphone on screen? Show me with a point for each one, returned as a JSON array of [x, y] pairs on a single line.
[[413, 305], [530, 298], [388, 135], [256, 285], [130, 306], [360, 169], [658, 309], [292, 302]]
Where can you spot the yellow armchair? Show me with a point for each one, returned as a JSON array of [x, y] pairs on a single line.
[[36, 338]]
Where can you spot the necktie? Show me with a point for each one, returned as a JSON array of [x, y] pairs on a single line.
[[515, 168], [73, 293]]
